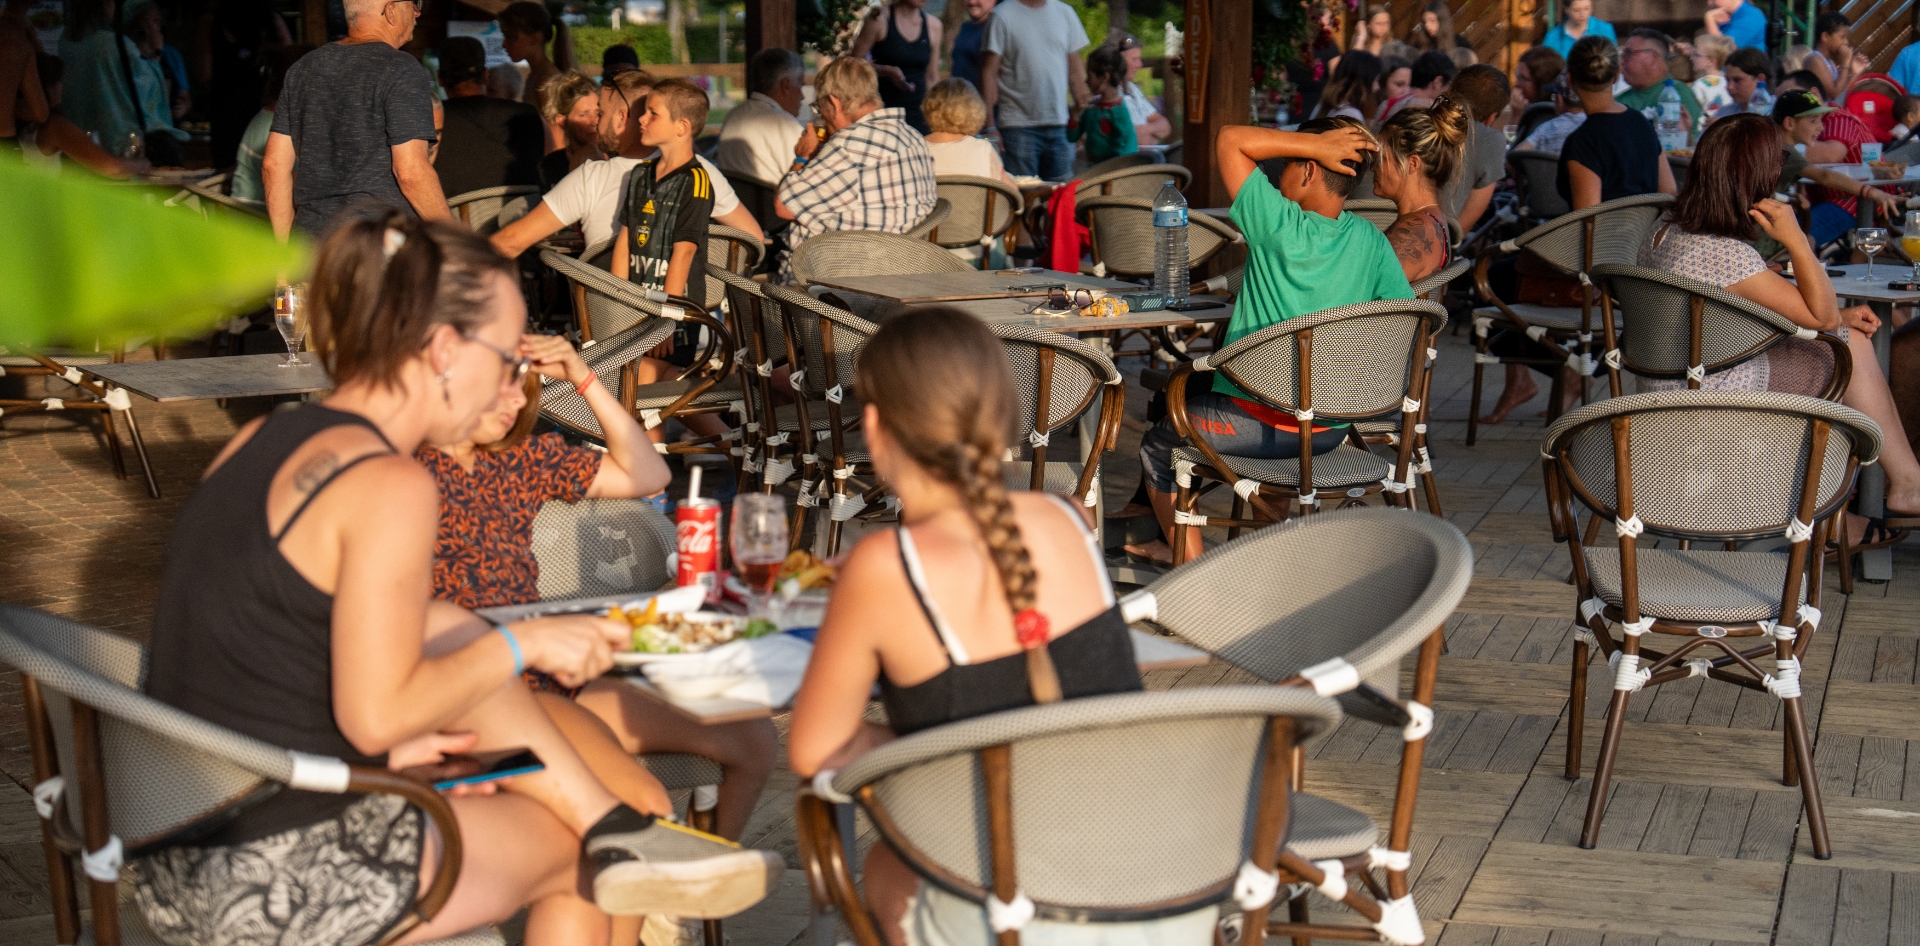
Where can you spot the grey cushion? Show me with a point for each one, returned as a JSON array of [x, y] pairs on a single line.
[[1698, 585], [1320, 828], [1343, 466]]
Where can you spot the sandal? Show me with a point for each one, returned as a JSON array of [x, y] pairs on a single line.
[[1877, 536]]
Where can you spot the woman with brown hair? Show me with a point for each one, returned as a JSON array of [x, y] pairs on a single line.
[[1420, 149], [1354, 90], [296, 608], [980, 601], [1706, 237], [1376, 31], [1434, 30]]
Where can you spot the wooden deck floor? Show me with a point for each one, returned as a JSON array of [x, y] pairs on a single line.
[[1702, 844]]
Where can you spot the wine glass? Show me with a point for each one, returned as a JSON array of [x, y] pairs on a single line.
[[290, 317], [1870, 240], [759, 543], [1910, 241], [1512, 132]]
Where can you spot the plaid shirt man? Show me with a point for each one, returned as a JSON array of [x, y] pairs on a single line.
[[875, 174]]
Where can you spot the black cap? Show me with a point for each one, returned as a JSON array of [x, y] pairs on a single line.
[[462, 59], [1799, 104], [618, 59]]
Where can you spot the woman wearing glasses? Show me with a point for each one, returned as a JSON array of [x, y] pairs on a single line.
[[296, 608]]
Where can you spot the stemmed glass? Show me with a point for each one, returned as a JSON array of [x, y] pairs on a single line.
[[759, 543], [290, 317], [1870, 240], [1910, 241]]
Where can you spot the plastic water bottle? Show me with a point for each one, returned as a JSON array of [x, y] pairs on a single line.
[[1170, 244], [1673, 132], [1761, 103]]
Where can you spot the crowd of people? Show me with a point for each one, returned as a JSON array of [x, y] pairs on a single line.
[[321, 582]]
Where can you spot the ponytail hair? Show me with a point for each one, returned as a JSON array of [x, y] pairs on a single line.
[[1437, 136], [944, 391], [385, 280]]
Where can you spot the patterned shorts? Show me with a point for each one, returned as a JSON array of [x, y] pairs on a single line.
[[340, 882]]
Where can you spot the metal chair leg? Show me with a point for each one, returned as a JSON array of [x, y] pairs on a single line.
[[1577, 709], [1603, 769]]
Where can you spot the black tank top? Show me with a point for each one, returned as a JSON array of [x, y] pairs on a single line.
[[1095, 657], [241, 638], [912, 58]]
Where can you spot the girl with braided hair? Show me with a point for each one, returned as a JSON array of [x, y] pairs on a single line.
[[980, 601]]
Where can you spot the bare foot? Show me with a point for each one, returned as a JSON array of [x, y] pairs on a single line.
[[1157, 551], [1512, 397]]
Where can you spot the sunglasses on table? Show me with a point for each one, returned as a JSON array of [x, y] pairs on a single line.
[[1060, 299]]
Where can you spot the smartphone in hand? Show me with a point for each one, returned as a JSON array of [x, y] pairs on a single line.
[[475, 768]]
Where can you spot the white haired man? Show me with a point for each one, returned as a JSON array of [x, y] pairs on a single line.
[[357, 116]]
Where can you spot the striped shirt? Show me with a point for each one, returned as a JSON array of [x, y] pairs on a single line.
[[875, 174]]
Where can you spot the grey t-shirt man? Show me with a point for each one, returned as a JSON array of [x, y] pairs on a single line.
[[346, 106], [1033, 46], [1482, 164]]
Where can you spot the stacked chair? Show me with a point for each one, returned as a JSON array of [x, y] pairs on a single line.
[[1351, 363], [1313, 631], [89, 396], [1572, 245], [758, 328], [822, 344], [1708, 468]]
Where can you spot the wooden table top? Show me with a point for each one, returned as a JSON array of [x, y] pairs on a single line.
[[970, 284], [200, 379]]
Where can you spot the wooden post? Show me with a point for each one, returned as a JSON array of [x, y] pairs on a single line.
[[770, 25], [1520, 32], [313, 22], [1219, 92]]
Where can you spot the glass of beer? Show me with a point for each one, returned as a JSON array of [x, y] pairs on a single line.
[[1910, 241], [290, 317], [758, 540]]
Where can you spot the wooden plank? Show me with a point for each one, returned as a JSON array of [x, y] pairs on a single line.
[[1870, 834], [1903, 914], [1883, 768], [1770, 826], [1530, 597], [1807, 904], [1478, 744], [1871, 709], [1451, 802], [1860, 914], [1522, 528], [1628, 813], [1521, 936], [1467, 934], [1894, 661], [1722, 823], [1521, 689], [1445, 875], [1882, 617], [1623, 891], [1522, 746], [1679, 755], [1670, 829], [1533, 809]]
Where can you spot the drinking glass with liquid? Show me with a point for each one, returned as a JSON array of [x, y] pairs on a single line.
[[1870, 240], [1910, 241], [759, 543], [290, 317]]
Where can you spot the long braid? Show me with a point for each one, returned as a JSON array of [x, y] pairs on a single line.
[[983, 488]]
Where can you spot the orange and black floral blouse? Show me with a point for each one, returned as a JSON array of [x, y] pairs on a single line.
[[483, 551]]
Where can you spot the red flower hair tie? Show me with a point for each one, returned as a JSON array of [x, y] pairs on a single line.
[[1030, 627]]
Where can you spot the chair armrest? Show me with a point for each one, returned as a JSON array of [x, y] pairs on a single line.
[[372, 781], [829, 876]]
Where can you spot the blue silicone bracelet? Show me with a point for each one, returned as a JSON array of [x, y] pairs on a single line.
[[513, 644]]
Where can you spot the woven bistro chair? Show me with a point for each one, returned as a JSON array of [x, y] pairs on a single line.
[[758, 329], [642, 322], [942, 208], [1702, 467], [1344, 364], [823, 344], [870, 253], [735, 251], [1311, 631], [488, 209], [1386, 430], [1682, 328], [760, 198], [89, 396], [118, 774], [1104, 809], [1382, 213], [1141, 180], [1540, 199], [1118, 163], [984, 209], [1058, 379], [1573, 243], [1123, 236]]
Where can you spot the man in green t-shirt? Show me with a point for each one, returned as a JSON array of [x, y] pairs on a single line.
[[1643, 63], [1304, 254]]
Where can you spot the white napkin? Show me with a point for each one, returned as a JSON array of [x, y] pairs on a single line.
[[772, 665]]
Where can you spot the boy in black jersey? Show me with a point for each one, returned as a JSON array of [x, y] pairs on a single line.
[[669, 198]]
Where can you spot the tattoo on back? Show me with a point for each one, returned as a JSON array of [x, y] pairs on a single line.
[[315, 471]]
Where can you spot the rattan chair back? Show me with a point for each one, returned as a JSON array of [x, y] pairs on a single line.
[[1364, 587], [1711, 465], [601, 547], [870, 253], [1610, 232], [1117, 163], [1438, 281], [1123, 235], [1682, 328], [982, 209], [735, 251], [604, 304], [759, 331], [1091, 808], [942, 208], [1539, 194], [488, 209], [1057, 378], [1142, 181], [1358, 360], [824, 340]]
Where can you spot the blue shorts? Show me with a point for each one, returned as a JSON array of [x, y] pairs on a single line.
[[1230, 430]]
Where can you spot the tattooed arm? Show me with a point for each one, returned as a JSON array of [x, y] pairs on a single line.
[[1420, 241]]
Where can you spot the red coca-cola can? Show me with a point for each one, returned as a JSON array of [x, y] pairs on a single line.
[[697, 543]]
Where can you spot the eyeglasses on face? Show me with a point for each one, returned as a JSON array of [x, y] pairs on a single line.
[[516, 365], [417, 5]]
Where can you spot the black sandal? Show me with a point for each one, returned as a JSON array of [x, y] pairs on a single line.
[[1878, 536]]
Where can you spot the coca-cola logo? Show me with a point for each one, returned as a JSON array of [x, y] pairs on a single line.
[[697, 537]]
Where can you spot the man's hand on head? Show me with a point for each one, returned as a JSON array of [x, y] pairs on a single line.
[[1340, 145]]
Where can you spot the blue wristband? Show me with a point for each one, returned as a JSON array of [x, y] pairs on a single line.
[[513, 644]]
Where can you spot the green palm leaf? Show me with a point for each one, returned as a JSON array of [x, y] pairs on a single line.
[[86, 262]]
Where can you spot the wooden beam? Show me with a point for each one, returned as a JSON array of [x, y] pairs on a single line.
[[313, 22], [1220, 45], [770, 25]]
